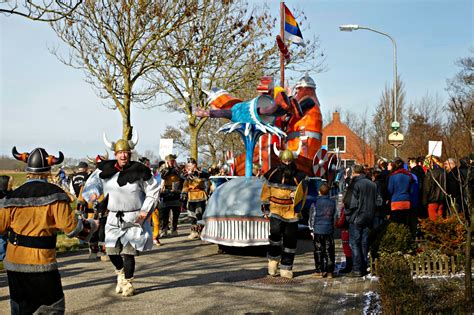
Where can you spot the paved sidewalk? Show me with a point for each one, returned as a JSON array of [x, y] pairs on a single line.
[[190, 277]]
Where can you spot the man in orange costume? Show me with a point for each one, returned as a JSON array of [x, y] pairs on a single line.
[[308, 128]]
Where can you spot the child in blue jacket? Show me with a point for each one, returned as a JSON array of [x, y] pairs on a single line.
[[321, 223]]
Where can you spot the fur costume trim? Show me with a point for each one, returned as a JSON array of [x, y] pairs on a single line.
[[131, 173], [29, 268], [33, 194]]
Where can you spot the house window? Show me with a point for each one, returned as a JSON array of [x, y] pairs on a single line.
[[334, 142], [348, 163]]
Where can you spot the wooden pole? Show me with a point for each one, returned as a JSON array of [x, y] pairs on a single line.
[[282, 34]]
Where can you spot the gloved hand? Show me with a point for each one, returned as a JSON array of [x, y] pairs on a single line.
[[81, 206], [265, 207]]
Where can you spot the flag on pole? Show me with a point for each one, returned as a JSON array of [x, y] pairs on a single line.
[[292, 30]]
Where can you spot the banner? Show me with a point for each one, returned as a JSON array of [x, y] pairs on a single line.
[[435, 148], [166, 147]]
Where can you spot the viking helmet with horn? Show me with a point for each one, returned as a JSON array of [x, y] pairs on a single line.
[[280, 154], [121, 144], [38, 160], [98, 158]]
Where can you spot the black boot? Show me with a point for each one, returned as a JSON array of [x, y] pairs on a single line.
[[348, 267]]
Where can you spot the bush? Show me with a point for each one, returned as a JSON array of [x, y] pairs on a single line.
[[398, 292], [447, 235], [392, 238], [445, 296]]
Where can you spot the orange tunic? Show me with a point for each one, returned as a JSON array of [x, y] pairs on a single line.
[[36, 216]]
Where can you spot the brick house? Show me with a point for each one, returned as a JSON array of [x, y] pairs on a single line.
[[353, 149]]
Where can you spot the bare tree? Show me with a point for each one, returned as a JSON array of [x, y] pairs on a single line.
[[117, 43], [44, 11], [383, 118], [227, 45], [461, 108], [424, 123]]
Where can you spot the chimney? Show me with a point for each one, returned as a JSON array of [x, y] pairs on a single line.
[[336, 117]]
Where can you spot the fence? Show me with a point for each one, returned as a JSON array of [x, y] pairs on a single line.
[[428, 265]]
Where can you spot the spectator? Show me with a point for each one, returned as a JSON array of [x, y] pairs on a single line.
[[399, 187], [454, 183], [321, 223], [382, 210], [434, 187], [360, 215], [416, 168]]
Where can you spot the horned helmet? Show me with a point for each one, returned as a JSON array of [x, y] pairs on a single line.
[[121, 144], [287, 155], [99, 158], [38, 161]]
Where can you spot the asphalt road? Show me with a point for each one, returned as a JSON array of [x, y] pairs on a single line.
[[189, 277]]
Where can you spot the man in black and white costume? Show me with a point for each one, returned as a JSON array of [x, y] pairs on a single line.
[[132, 195]]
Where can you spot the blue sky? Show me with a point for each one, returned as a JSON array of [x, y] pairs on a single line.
[[45, 103]]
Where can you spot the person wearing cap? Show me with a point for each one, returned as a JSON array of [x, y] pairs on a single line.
[[194, 195], [278, 190], [132, 194], [170, 192], [33, 214]]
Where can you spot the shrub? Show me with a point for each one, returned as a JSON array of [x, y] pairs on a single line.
[[447, 235], [398, 292], [392, 238], [445, 296]]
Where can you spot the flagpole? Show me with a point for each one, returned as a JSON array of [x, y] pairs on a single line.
[[282, 34]]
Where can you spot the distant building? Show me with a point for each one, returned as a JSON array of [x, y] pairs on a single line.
[[353, 149]]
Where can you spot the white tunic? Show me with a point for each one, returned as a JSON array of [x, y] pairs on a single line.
[[129, 199]]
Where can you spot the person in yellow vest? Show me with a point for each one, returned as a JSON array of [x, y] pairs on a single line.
[[278, 191], [33, 214], [194, 193]]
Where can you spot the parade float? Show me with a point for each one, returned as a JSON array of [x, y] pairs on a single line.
[[276, 119]]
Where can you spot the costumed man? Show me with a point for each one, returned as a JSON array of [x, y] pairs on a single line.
[[170, 193], [78, 180], [194, 193], [33, 214], [132, 194], [308, 128], [99, 212], [277, 196]]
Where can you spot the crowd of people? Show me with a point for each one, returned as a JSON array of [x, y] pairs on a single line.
[[124, 207], [392, 191]]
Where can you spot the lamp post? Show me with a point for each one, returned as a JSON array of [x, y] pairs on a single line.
[[395, 123]]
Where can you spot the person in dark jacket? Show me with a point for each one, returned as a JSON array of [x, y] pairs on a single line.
[[416, 168], [360, 215], [321, 223], [381, 212], [433, 186], [454, 184]]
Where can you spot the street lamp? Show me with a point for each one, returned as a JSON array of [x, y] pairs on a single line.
[[395, 123]]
